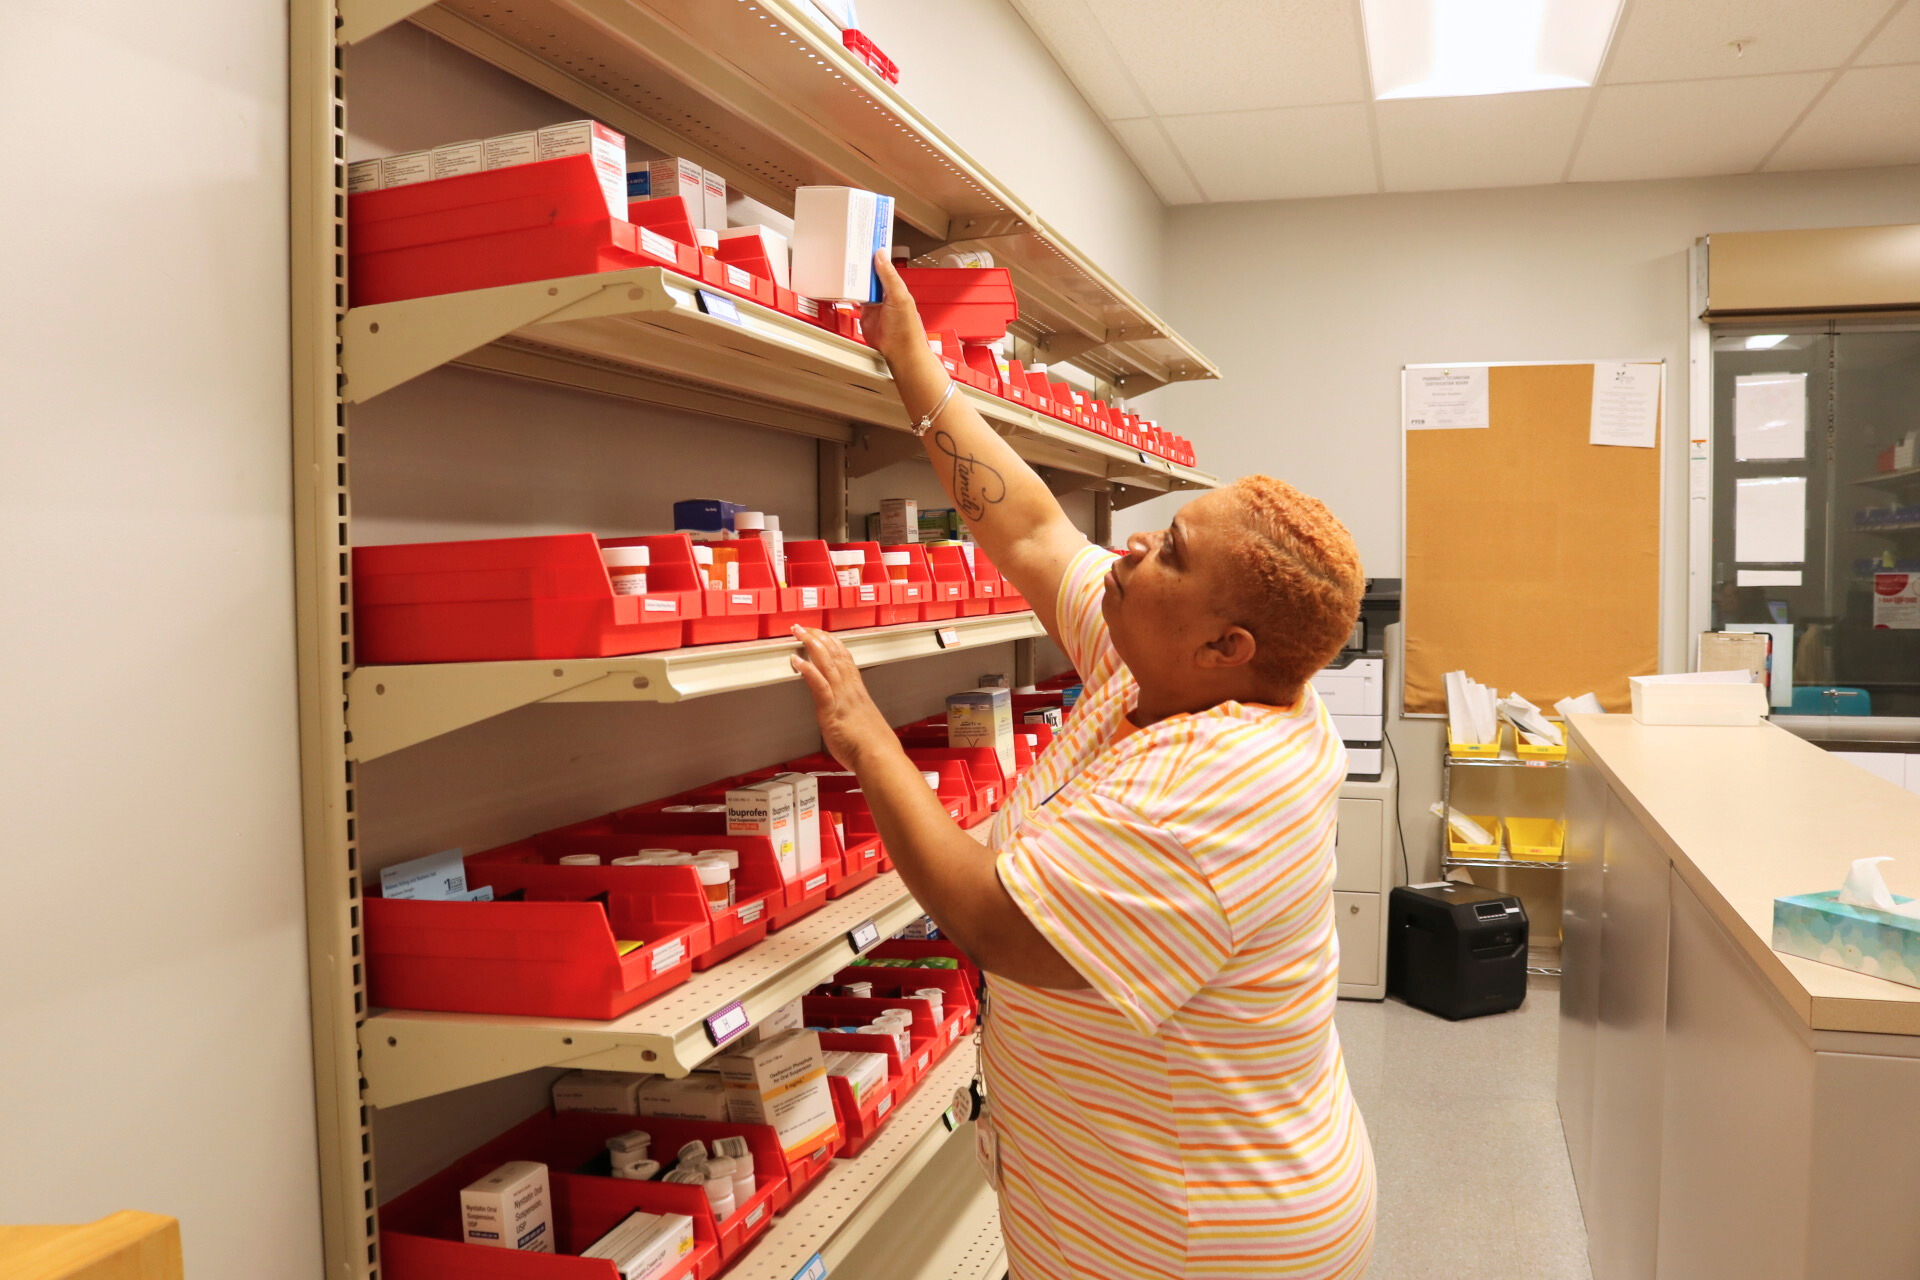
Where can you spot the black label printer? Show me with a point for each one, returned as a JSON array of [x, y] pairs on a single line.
[[1456, 949]]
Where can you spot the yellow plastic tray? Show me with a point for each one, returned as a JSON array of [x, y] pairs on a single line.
[[1527, 752], [1536, 839], [1472, 749], [1461, 850]]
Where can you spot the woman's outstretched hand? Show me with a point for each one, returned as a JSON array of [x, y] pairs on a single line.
[[892, 326], [850, 725]]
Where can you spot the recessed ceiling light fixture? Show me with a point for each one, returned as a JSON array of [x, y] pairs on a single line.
[[1765, 341], [1464, 48]]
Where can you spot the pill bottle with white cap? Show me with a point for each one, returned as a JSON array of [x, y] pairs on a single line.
[[716, 877], [847, 566], [898, 563], [936, 1001], [735, 1149], [720, 1192], [580, 860], [627, 568]]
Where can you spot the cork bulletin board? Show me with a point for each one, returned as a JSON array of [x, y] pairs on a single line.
[[1532, 556]]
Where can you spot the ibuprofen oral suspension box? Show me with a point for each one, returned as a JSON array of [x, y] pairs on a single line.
[[766, 809], [510, 1208], [806, 817]]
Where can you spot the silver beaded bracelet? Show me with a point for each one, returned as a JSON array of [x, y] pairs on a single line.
[[920, 425]]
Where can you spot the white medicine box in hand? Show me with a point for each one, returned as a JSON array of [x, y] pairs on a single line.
[[836, 232], [983, 718], [510, 1208]]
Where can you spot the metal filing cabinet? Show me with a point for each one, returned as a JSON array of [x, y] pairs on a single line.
[[1367, 855]]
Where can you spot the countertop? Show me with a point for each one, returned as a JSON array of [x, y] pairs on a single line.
[[1750, 814]]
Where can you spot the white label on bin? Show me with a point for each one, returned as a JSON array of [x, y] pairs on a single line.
[[866, 594], [667, 955], [656, 244], [739, 279], [921, 1061], [660, 604], [953, 1033], [816, 882], [886, 1105], [751, 912], [809, 597], [743, 599], [759, 1212]]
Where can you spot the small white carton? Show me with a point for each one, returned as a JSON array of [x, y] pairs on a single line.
[[782, 1081], [674, 176], [863, 1072], [504, 150], [766, 809], [610, 1093], [773, 244], [591, 138], [713, 192], [363, 175], [806, 817], [406, 168], [510, 1208], [836, 232], [645, 1246], [457, 159], [983, 718], [899, 521], [700, 1096]]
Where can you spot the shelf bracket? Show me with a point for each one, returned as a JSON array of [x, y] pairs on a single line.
[[362, 18], [442, 697]]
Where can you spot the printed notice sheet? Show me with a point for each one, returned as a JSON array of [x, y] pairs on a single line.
[[1896, 601], [1770, 520], [1446, 399], [1626, 404], [1769, 416]]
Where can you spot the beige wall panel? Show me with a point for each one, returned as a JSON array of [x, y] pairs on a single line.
[[1827, 269], [1622, 1212], [1358, 848], [1866, 1165], [1356, 919], [1739, 1082], [1587, 801]]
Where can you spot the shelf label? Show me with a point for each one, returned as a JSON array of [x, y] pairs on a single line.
[[739, 279], [866, 595], [921, 1061], [658, 245], [816, 1269], [950, 1120], [745, 598], [659, 604], [668, 955], [947, 637], [816, 882], [759, 1212], [751, 912], [728, 1023], [809, 597], [863, 935], [886, 1105], [719, 306]]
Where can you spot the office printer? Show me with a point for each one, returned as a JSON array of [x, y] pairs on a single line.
[[1354, 689]]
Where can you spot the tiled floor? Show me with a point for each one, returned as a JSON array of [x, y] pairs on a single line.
[[1474, 1180]]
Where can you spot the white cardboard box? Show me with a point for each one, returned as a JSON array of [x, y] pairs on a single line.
[[645, 1246], [713, 206], [899, 521], [674, 176], [766, 809], [591, 138], [773, 244], [983, 718], [863, 1072], [806, 817], [1667, 700], [782, 1081], [363, 175], [611, 1093], [836, 232], [457, 159], [700, 1096], [406, 168], [505, 150], [510, 1208]]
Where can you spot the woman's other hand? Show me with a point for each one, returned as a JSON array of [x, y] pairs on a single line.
[[892, 327], [850, 725]]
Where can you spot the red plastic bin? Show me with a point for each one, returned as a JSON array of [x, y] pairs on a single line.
[[541, 221], [869, 52], [736, 613], [977, 303], [803, 896], [895, 602], [861, 1119], [927, 1039], [501, 599], [554, 955], [854, 607]]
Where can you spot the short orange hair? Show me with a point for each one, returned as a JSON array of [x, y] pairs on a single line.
[[1303, 592]]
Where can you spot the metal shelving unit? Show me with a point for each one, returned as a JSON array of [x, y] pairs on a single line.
[[1543, 960], [762, 94], [394, 707], [949, 1230], [759, 93]]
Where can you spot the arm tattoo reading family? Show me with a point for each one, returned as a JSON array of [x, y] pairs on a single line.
[[976, 486]]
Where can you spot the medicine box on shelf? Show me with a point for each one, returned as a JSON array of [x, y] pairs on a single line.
[[927, 1040], [501, 599], [862, 1118], [543, 956]]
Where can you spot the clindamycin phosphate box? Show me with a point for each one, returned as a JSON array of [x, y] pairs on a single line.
[[510, 1208]]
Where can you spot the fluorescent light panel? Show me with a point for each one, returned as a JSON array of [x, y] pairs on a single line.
[[1465, 48]]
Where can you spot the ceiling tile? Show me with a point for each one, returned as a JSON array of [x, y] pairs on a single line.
[[1898, 41], [1277, 155], [1690, 129], [1238, 55], [1689, 39], [1870, 117], [1501, 140], [1158, 161], [1077, 43]]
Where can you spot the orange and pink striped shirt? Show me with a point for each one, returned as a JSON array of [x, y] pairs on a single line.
[[1188, 1116]]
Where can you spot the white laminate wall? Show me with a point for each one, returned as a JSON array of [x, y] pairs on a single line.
[[1311, 308], [156, 1052]]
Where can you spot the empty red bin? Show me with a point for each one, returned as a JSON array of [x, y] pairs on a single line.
[[977, 303], [578, 946], [540, 221], [501, 599]]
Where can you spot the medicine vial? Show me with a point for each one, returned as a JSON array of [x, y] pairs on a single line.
[[859, 990], [933, 779], [716, 877], [936, 1001], [644, 1171], [847, 566], [627, 568], [630, 1147], [580, 860], [729, 856], [743, 1185], [709, 241], [898, 564], [720, 1194]]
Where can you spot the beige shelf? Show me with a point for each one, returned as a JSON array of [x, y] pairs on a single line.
[[407, 1055], [393, 707], [757, 91], [946, 1228], [642, 333], [852, 1200]]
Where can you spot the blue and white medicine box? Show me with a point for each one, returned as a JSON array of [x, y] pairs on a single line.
[[1817, 926]]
